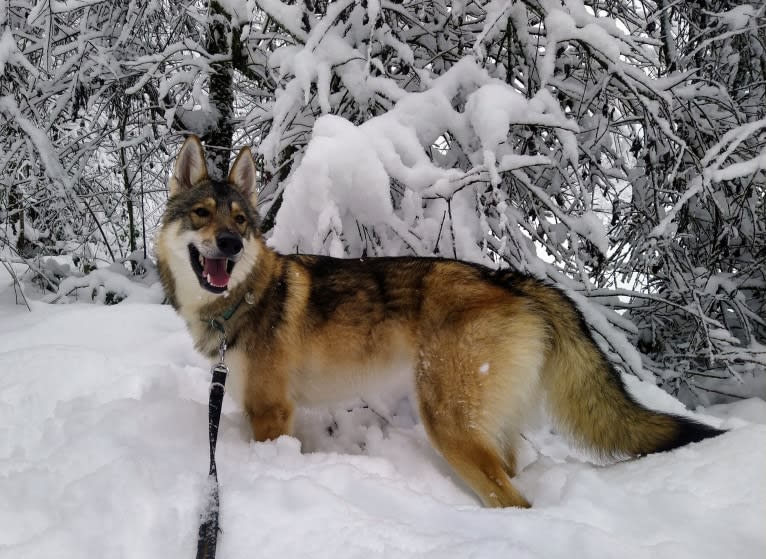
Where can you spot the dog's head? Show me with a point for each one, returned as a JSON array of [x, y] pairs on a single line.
[[210, 228]]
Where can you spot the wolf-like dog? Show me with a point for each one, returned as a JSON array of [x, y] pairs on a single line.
[[480, 346]]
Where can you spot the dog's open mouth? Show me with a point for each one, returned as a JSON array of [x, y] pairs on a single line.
[[213, 273]]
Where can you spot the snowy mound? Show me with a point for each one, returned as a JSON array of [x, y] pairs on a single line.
[[103, 453]]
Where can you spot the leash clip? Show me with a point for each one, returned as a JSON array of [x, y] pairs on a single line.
[[222, 348], [220, 370]]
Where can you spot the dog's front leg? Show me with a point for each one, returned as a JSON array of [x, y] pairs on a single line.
[[270, 420], [268, 405]]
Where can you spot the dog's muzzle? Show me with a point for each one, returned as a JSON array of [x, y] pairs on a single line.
[[214, 271]]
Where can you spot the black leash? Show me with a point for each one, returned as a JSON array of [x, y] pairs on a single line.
[[208, 528]]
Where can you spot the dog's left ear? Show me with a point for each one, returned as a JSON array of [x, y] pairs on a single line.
[[242, 174]]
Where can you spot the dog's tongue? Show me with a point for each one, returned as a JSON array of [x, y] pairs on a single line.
[[215, 272]]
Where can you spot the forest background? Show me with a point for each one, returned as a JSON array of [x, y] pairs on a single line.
[[617, 148]]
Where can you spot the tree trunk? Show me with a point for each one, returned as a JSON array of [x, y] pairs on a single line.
[[124, 108], [218, 139]]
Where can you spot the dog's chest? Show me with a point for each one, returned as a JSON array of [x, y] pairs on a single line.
[[312, 383], [206, 339]]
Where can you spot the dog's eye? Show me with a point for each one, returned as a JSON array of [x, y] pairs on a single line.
[[202, 212], [240, 219]]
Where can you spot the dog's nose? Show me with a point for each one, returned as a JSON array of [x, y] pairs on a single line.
[[229, 243]]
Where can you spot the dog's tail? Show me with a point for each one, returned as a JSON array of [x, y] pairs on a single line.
[[587, 395]]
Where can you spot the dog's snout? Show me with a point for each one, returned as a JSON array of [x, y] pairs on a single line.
[[228, 243]]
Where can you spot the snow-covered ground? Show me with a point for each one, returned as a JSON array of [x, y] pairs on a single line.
[[103, 453]]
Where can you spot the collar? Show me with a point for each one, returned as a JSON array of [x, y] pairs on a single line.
[[219, 322]]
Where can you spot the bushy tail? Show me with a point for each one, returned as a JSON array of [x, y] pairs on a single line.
[[588, 397]]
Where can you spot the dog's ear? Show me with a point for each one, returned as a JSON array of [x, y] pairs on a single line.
[[243, 176], [190, 167]]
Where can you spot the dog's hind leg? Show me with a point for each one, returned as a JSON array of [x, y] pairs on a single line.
[[473, 386], [474, 431], [480, 465]]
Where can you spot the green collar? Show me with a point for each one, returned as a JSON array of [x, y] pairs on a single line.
[[219, 322]]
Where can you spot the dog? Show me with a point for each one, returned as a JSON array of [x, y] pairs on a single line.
[[479, 347]]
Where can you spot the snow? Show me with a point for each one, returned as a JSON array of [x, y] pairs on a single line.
[[344, 180], [104, 283], [10, 109], [563, 26], [8, 51], [714, 170], [738, 17], [103, 453], [238, 10], [495, 106], [344, 191]]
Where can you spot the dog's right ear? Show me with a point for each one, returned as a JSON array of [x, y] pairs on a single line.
[[190, 167]]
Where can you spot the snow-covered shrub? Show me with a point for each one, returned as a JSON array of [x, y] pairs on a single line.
[[614, 148], [83, 161], [551, 136]]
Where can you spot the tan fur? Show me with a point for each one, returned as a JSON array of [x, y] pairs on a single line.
[[477, 345]]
